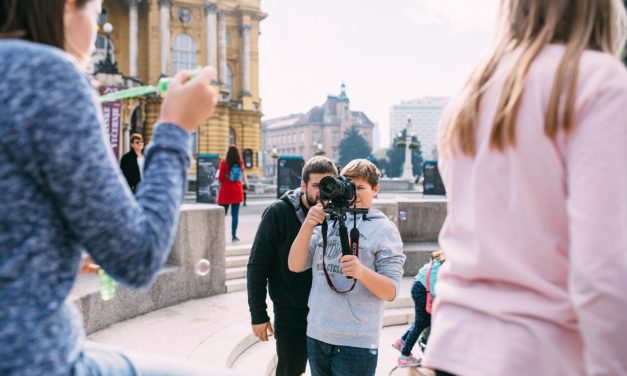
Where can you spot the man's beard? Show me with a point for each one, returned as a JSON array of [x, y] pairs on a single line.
[[309, 200]]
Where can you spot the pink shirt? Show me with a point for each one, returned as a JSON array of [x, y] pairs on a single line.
[[536, 236]]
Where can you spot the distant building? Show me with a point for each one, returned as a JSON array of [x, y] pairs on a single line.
[[152, 39], [320, 129], [425, 116]]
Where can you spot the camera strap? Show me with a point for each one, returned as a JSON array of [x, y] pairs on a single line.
[[353, 247]]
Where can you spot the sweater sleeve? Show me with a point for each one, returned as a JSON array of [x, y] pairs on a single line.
[[389, 257], [596, 165], [262, 256], [130, 238]]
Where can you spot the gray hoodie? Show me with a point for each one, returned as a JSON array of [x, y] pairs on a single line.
[[354, 318]]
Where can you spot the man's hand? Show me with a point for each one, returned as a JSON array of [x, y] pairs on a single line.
[[351, 267], [315, 216], [263, 331]]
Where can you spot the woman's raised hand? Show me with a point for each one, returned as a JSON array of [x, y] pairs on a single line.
[[190, 99]]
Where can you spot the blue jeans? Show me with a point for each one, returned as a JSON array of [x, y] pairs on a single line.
[[331, 360], [102, 360], [234, 216], [423, 318]]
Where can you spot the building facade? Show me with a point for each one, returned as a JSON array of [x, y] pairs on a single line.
[[319, 131], [425, 114], [157, 38]]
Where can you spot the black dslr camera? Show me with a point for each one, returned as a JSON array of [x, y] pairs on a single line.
[[336, 193]]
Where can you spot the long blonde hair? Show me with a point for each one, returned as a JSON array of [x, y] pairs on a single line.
[[527, 26]]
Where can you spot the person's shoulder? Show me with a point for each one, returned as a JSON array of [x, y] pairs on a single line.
[[601, 70], [45, 58]]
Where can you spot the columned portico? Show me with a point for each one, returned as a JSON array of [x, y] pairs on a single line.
[[222, 46], [211, 19], [164, 32], [245, 32], [132, 37]]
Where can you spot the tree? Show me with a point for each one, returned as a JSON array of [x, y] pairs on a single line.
[[396, 156], [353, 146]]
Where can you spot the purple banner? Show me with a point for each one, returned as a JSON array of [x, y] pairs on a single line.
[[112, 114]]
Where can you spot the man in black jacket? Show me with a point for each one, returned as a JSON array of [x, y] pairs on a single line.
[[132, 163], [267, 267]]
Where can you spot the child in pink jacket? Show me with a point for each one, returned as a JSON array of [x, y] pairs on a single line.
[[534, 159]]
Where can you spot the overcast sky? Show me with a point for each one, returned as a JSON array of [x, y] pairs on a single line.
[[385, 51]]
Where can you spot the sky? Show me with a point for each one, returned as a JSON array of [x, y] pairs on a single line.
[[385, 52]]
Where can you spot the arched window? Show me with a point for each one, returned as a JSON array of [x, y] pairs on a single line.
[[231, 136], [229, 80], [184, 53]]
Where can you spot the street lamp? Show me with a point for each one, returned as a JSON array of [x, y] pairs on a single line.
[[107, 66], [319, 149], [408, 168]]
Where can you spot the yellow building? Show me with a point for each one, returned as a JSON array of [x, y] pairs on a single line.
[[155, 38]]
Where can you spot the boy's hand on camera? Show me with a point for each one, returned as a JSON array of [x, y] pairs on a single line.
[[189, 101], [351, 266], [315, 216]]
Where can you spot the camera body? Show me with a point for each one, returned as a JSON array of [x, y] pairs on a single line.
[[337, 192]]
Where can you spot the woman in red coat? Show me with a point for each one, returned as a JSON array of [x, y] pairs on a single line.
[[231, 192]]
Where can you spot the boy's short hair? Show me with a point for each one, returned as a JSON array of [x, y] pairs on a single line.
[[362, 169], [136, 137], [318, 165]]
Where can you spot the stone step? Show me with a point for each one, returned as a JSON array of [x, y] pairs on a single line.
[[235, 285], [235, 261], [235, 273], [400, 302], [238, 250]]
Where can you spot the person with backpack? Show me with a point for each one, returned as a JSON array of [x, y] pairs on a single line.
[[423, 293], [231, 193]]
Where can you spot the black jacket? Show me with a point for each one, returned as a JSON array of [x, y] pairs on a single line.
[[267, 265], [130, 169]]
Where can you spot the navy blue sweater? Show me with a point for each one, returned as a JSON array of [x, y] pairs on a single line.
[[61, 193]]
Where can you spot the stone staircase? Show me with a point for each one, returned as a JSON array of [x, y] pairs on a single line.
[[236, 260]]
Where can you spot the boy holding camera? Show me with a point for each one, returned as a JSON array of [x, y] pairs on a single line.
[[346, 314]]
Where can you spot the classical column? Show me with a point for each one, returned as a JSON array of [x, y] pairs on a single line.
[[222, 46], [132, 37], [211, 10], [164, 9], [245, 32]]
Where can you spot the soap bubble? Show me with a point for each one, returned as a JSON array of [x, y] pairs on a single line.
[[202, 267], [373, 349], [402, 215]]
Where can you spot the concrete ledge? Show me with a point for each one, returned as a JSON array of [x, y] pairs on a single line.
[[396, 184], [416, 255], [200, 235]]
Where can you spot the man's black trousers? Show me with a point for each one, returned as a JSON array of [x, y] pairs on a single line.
[[291, 349]]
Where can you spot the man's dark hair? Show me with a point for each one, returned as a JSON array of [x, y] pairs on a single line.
[[39, 21], [318, 165]]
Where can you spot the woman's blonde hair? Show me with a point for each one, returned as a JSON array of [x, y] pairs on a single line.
[[527, 26]]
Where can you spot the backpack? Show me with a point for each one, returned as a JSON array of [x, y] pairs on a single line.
[[235, 173]]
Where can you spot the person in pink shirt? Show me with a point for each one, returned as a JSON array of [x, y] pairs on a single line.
[[534, 159]]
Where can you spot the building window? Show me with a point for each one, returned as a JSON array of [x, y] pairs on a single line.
[[184, 53], [232, 136]]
